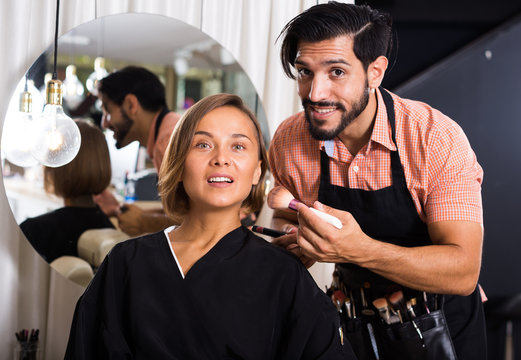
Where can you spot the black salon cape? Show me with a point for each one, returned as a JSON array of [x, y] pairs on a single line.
[[244, 299], [56, 233]]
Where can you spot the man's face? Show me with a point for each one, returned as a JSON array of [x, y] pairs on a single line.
[[332, 84], [115, 119]]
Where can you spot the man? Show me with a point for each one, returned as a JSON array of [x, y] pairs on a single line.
[[134, 108], [400, 175]]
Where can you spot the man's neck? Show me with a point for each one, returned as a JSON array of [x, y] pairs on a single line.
[[147, 119], [359, 132]]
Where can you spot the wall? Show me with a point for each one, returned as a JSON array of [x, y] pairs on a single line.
[[479, 87]]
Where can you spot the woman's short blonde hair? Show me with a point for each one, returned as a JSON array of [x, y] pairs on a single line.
[[174, 198], [88, 173]]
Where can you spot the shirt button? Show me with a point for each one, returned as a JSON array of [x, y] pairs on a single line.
[[356, 168]]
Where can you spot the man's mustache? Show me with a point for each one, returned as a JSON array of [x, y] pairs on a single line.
[[307, 102]]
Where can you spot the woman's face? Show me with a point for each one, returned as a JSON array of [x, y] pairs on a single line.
[[223, 161]]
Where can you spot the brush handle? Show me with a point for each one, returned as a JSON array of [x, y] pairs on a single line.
[[267, 231], [293, 204], [328, 218]]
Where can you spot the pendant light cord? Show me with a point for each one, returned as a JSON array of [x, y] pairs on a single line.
[[55, 73]]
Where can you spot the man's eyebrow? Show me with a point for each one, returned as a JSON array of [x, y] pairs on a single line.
[[326, 62], [336, 61]]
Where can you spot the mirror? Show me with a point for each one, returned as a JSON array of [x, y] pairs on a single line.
[[190, 64]]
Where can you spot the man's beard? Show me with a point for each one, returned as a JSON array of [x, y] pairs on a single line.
[[123, 129], [346, 119]]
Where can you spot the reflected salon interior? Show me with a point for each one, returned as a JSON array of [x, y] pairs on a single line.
[[200, 48]]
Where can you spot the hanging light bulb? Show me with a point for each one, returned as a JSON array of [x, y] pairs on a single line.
[[16, 101], [73, 94], [16, 144], [56, 137], [99, 73]]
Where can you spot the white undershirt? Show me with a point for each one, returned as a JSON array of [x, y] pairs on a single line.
[[167, 231]]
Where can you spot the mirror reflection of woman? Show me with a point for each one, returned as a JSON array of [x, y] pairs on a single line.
[[56, 233], [209, 288]]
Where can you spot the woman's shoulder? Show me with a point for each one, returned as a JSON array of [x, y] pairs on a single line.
[[268, 253], [42, 222], [141, 246], [147, 241]]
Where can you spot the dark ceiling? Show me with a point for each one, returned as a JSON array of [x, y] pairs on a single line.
[[430, 30]]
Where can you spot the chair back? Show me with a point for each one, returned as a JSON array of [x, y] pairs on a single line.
[[74, 268], [95, 244]]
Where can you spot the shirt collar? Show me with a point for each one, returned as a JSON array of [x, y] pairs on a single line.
[[329, 146], [382, 129]]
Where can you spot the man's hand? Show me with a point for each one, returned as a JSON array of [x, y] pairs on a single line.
[[131, 220], [325, 243], [107, 202], [136, 221], [289, 242]]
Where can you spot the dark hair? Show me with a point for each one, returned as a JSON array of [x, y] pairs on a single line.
[[371, 31], [174, 198], [88, 173], [138, 81]]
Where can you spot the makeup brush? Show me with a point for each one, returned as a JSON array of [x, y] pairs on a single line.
[[267, 231], [338, 298], [347, 303], [381, 305], [398, 303], [280, 198]]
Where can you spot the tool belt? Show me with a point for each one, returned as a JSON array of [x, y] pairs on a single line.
[[383, 320]]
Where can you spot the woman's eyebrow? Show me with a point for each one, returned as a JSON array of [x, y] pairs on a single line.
[[241, 136], [206, 133]]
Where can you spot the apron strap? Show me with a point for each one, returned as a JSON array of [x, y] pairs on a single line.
[[398, 173]]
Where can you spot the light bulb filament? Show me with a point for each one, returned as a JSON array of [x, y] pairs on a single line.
[[54, 140]]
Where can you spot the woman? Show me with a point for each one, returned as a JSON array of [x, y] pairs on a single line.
[[56, 233], [209, 288]]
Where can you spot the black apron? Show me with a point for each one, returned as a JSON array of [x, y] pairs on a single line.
[[389, 215]]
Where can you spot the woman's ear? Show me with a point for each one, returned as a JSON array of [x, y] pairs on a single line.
[[257, 173], [376, 72]]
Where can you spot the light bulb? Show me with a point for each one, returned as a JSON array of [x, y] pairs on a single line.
[[73, 88], [56, 137], [16, 139], [98, 74], [37, 99], [181, 66]]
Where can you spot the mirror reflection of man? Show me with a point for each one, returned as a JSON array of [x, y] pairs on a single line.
[[400, 175], [134, 108]]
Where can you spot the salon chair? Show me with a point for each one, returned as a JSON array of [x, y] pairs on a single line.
[[74, 268], [95, 244]]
